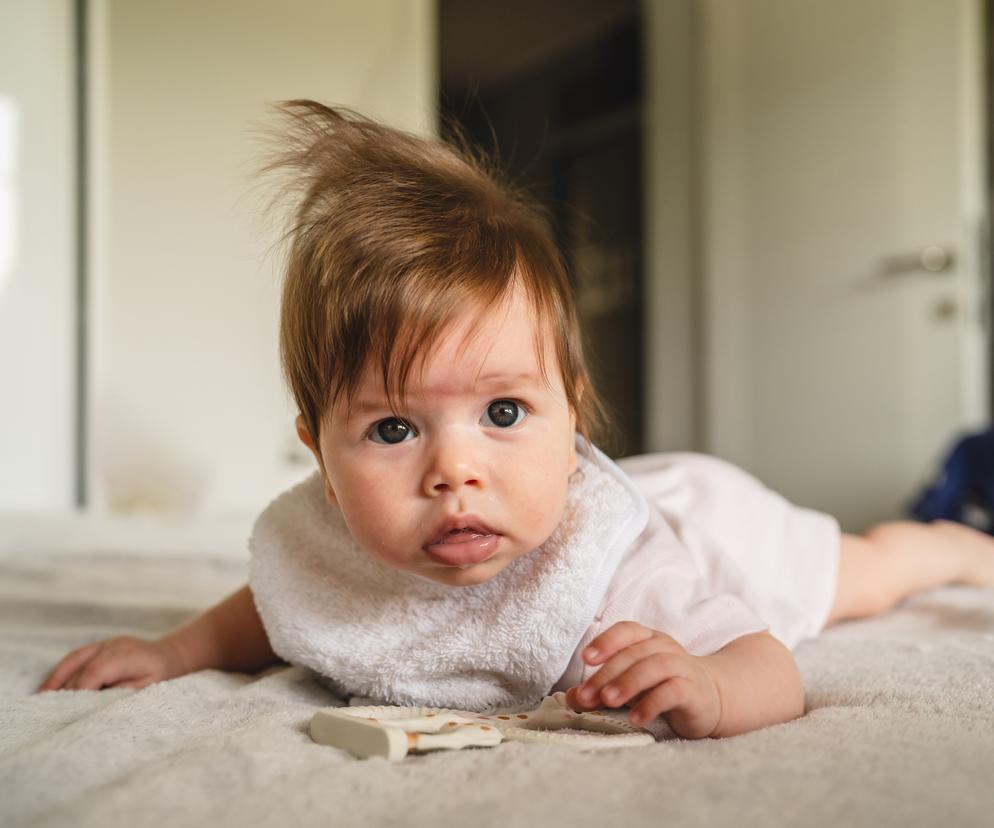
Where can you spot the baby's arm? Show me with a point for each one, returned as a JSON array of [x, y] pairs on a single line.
[[758, 682], [749, 683], [229, 636]]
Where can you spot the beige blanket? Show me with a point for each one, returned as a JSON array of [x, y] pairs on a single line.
[[899, 729]]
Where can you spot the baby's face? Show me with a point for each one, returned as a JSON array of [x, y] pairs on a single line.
[[485, 446]]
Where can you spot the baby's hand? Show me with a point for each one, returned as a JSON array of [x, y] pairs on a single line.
[[649, 667], [117, 662]]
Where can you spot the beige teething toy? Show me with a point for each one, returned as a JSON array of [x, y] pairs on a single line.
[[393, 732]]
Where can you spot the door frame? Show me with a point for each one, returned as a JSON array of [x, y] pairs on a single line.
[[673, 325]]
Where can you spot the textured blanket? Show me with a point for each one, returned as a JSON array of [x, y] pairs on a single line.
[[899, 728]]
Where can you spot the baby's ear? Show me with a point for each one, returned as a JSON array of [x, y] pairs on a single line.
[[307, 440], [581, 388], [572, 448]]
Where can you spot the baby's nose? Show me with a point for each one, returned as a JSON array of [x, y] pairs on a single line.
[[441, 486], [450, 472]]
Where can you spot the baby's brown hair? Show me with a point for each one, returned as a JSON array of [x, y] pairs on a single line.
[[392, 238]]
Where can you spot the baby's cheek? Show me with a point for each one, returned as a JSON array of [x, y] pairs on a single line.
[[545, 510], [369, 523]]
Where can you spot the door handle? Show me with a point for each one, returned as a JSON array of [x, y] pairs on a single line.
[[932, 259]]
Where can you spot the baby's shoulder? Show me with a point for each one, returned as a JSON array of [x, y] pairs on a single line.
[[678, 479], [682, 462]]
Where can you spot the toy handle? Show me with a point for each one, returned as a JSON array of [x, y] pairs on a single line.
[[459, 737]]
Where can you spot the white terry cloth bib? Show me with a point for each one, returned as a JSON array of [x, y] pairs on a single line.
[[394, 637]]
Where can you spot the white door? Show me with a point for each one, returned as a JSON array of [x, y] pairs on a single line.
[[842, 144]]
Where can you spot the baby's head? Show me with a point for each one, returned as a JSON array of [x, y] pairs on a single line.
[[429, 337]]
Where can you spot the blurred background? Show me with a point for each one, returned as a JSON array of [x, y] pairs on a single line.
[[775, 213]]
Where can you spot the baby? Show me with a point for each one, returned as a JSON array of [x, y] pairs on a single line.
[[463, 543]]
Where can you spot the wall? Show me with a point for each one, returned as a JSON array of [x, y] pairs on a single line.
[[37, 255], [188, 409]]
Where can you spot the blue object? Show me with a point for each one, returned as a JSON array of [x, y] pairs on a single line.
[[964, 489]]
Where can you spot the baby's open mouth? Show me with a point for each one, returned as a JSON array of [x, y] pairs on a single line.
[[458, 536], [463, 546]]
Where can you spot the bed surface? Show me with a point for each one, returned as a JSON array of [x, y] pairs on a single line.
[[899, 728]]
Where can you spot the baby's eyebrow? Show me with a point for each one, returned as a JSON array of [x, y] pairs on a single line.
[[497, 378], [367, 406]]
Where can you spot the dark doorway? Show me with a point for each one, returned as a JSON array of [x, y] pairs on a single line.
[[553, 91]]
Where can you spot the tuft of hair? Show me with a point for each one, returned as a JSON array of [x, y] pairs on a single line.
[[391, 236]]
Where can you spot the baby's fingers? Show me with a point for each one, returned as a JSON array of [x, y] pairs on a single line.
[[641, 676], [103, 670], [69, 665], [617, 637], [662, 698]]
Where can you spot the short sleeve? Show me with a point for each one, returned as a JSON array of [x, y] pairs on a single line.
[[711, 623], [749, 541], [660, 584], [675, 600]]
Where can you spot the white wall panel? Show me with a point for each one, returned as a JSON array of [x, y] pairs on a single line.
[[37, 255]]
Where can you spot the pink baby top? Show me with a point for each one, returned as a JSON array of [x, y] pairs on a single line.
[[722, 556]]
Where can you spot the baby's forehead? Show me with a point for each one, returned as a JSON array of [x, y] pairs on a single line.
[[470, 360], [491, 352]]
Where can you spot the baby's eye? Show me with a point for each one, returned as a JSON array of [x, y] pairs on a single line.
[[390, 431], [504, 413]]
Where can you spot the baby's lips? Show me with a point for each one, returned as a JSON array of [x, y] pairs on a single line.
[[464, 549], [456, 523], [460, 536]]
